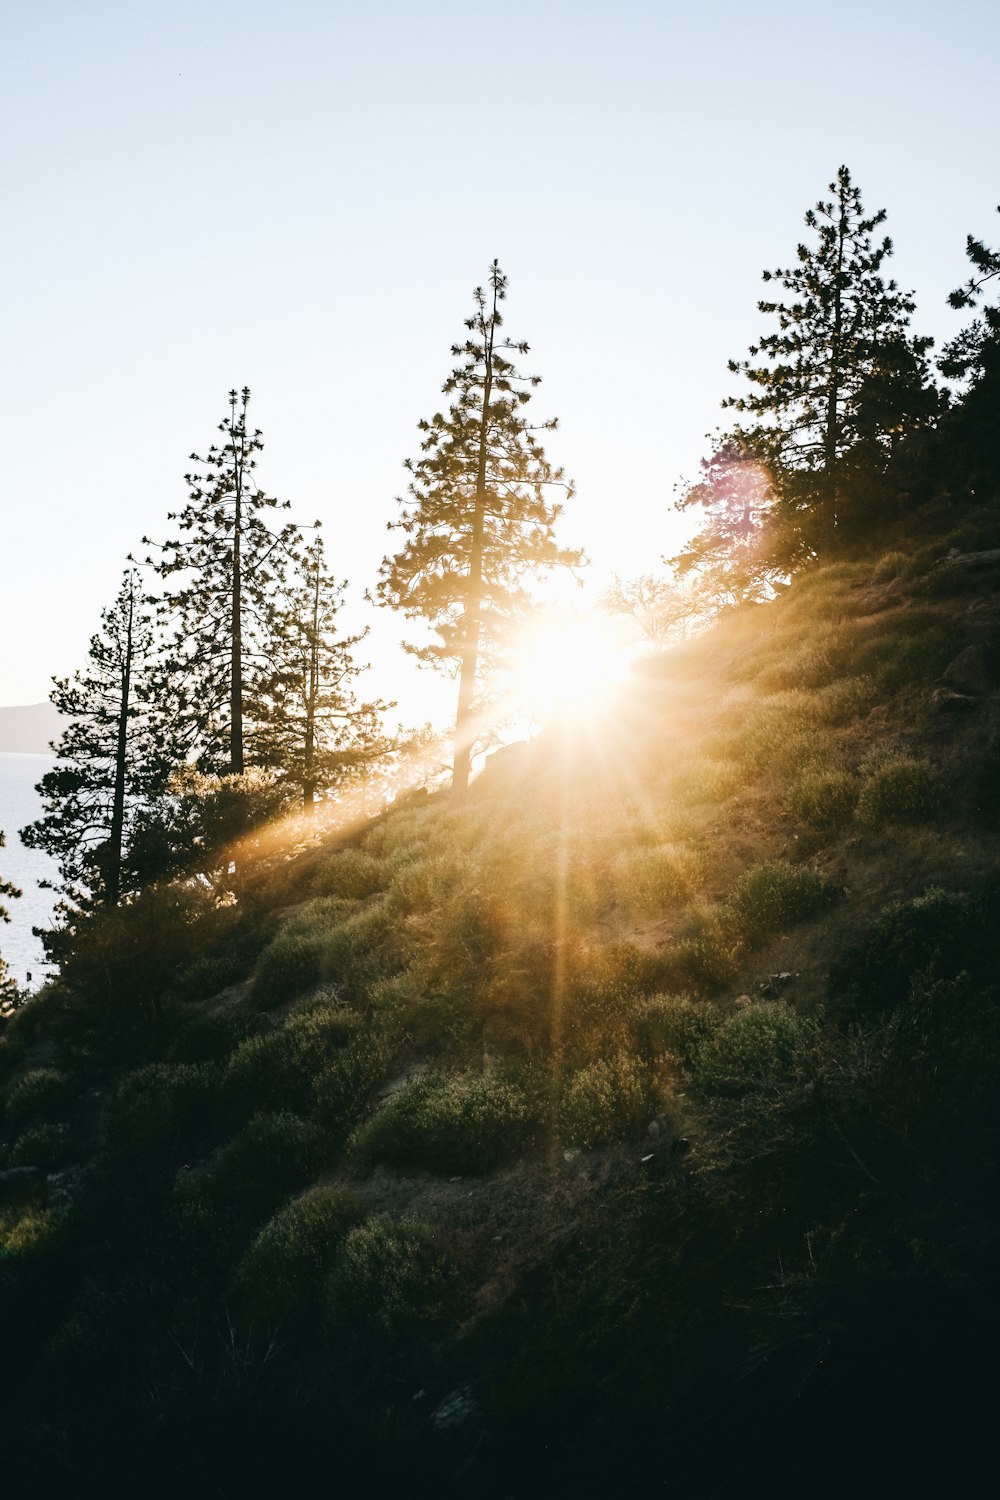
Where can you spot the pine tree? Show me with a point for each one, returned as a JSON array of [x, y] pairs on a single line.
[[315, 730], [8, 988], [480, 519], [729, 559], [111, 758], [841, 379], [230, 564], [977, 347]]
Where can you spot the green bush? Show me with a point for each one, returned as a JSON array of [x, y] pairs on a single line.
[[891, 565], [653, 880], [390, 1275], [207, 976], [900, 790], [159, 1113], [825, 799], [284, 1268], [289, 964], [759, 1047], [908, 654], [209, 1036], [274, 1155], [936, 936], [45, 1146], [608, 1100], [40, 1091], [677, 1024], [352, 874], [458, 1122], [705, 962], [343, 1085], [775, 895]]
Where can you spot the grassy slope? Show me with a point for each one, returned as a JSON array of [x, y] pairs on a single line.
[[512, 1103]]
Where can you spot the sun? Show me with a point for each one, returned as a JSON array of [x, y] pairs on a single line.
[[567, 664]]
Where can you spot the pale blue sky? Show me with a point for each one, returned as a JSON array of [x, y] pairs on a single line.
[[301, 197]]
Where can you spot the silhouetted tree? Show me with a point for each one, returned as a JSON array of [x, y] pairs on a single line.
[[229, 564], [111, 758], [967, 356], [731, 557], [841, 379], [9, 892], [315, 730], [480, 519], [973, 357], [660, 608]]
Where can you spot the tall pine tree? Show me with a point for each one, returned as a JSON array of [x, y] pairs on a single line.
[[228, 563], [315, 730], [8, 892], [479, 518], [841, 379], [111, 759]]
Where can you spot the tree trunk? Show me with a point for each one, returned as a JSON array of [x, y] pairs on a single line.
[[113, 870], [465, 727], [236, 623], [832, 432]]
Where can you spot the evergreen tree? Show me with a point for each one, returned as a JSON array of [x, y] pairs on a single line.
[[230, 565], [729, 559], [977, 348], [315, 729], [841, 379], [110, 760], [480, 519], [9, 892]]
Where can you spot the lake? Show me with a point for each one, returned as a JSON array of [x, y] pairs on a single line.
[[20, 804]]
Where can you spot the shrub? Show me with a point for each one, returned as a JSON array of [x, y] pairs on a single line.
[[677, 1024], [273, 1155], [937, 935], [900, 790], [705, 963], [652, 880], [459, 1122], [43, 1146], [757, 1048], [606, 1101], [159, 1112], [342, 1087], [209, 1036], [891, 565], [908, 654], [39, 1091], [775, 895], [706, 781], [207, 976], [844, 699], [289, 964], [284, 1268], [353, 874], [825, 799], [390, 1275]]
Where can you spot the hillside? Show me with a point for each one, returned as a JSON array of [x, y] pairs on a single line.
[[29, 728], [629, 1128]]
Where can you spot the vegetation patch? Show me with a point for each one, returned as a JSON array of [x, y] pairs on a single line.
[[825, 799], [284, 1269], [899, 789], [777, 895], [936, 936], [608, 1100], [458, 1122]]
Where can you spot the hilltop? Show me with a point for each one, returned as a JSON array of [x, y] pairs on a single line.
[[629, 1127], [29, 728]]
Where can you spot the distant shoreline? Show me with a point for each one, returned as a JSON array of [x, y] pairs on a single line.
[[29, 728]]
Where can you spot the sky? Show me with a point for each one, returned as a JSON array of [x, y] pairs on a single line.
[[300, 197]]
